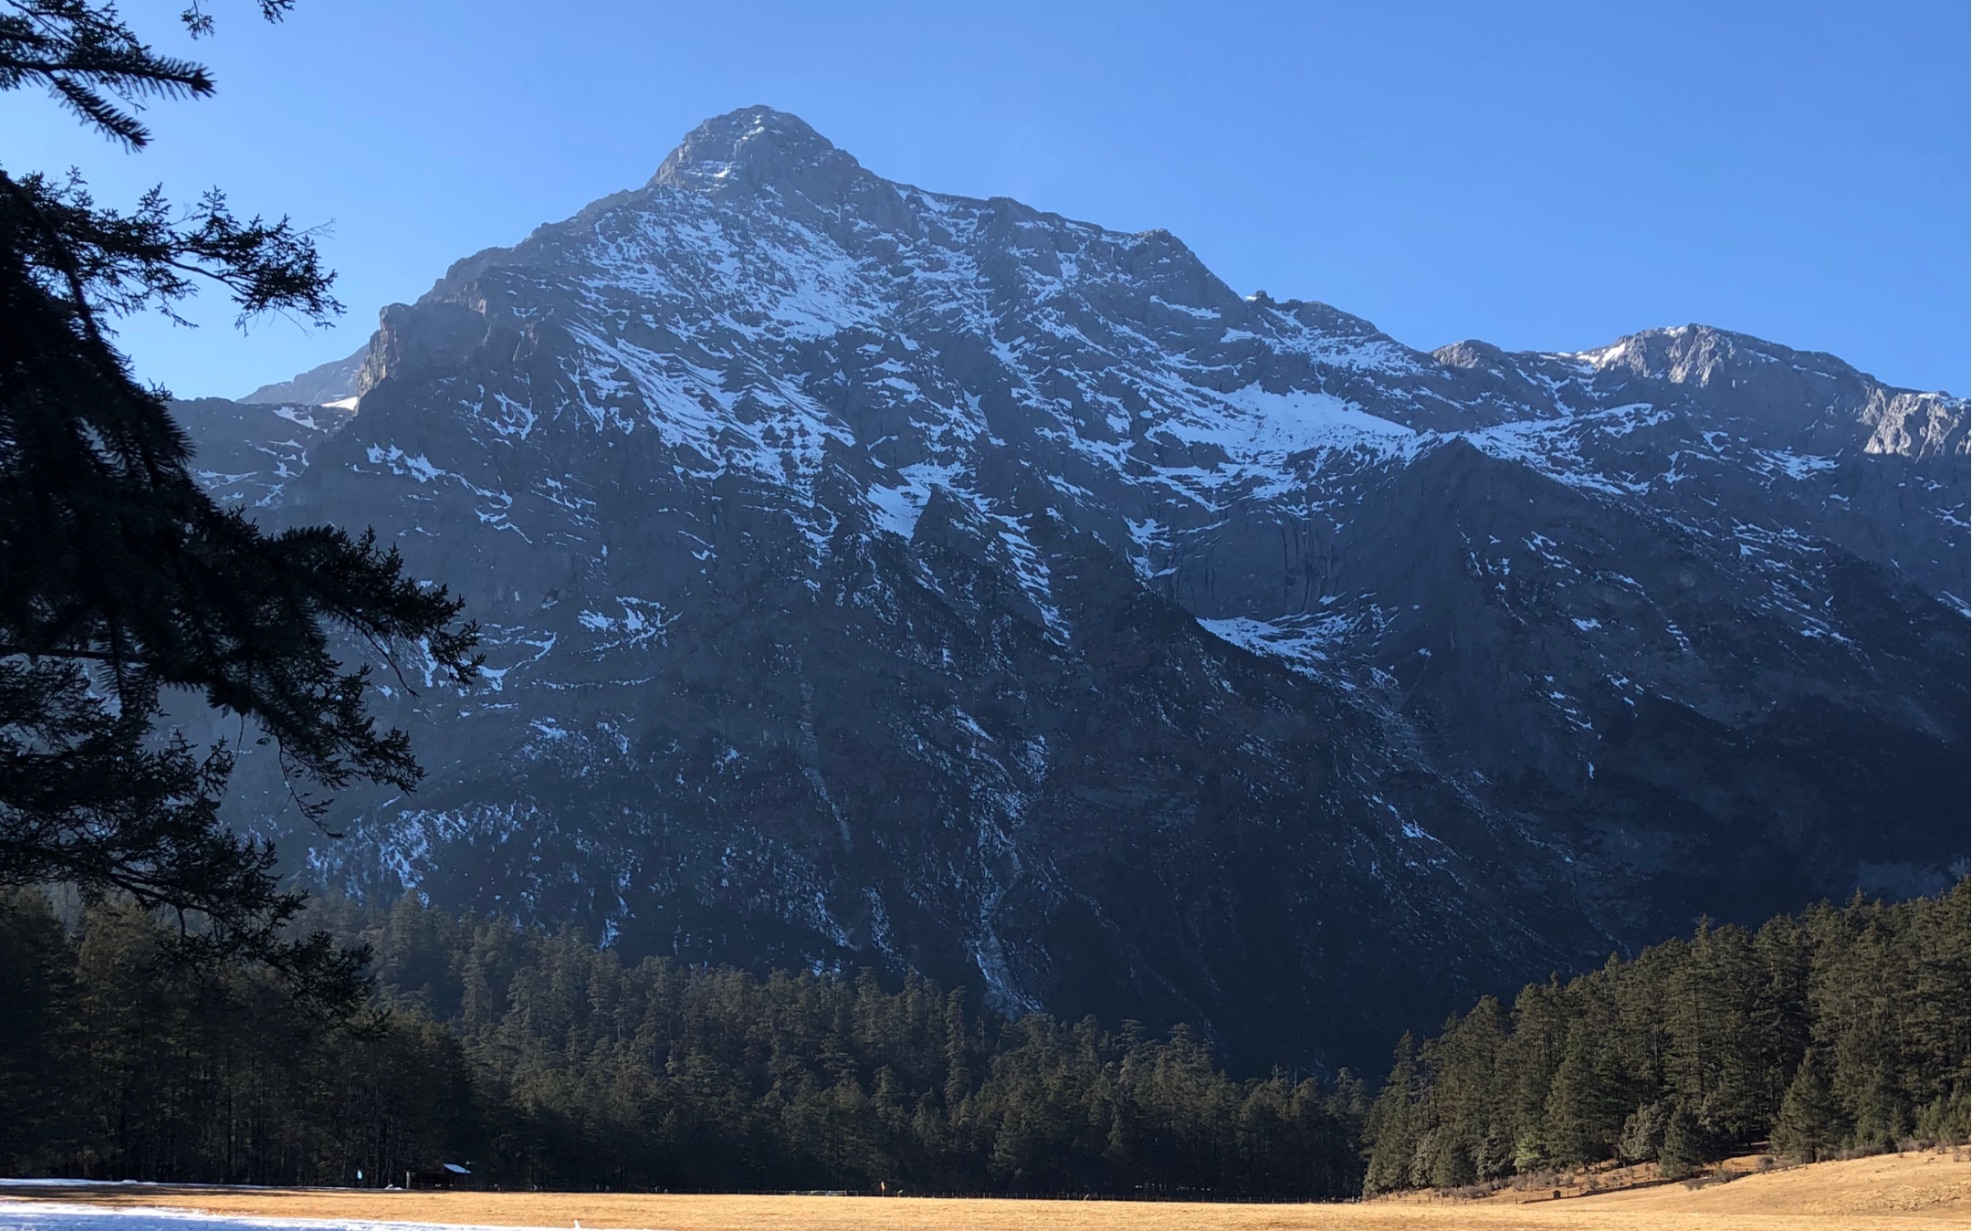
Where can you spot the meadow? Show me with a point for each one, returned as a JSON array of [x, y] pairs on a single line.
[[1883, 1193]]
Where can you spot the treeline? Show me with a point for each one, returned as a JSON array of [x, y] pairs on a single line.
[[545, 1061], [1840, 1030]]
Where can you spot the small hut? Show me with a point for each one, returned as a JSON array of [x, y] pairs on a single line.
[[445, 1175]]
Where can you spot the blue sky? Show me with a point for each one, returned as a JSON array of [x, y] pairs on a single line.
[[1543, 176]]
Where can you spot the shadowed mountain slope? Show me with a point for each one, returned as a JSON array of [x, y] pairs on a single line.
[[878, 576]]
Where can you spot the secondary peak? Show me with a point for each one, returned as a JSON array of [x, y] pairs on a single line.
[[753, 146]]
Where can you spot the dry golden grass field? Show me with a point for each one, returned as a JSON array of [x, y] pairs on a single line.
[[1908, 1191]]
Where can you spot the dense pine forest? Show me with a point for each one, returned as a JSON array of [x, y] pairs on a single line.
[[1835, 1031], [545, 1061]]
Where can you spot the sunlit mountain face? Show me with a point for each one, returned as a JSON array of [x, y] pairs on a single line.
[[878, 577]]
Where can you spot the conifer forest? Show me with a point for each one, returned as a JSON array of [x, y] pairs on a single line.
[[549, 1062]]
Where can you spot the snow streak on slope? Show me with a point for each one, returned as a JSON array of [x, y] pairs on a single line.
[[875, 573]]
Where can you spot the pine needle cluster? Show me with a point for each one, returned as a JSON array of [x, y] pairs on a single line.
[[123, 586]]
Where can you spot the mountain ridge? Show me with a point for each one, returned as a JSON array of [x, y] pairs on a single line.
[[878, 575]]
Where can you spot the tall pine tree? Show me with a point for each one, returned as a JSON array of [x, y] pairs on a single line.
[[121, 582], [1810, 1123]]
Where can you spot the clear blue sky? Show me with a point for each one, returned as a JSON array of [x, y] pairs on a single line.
[[1538, 175]]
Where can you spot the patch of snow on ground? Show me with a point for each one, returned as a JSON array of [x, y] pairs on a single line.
[[897, 509], [61, 1216], [1796, 465], [1553, 446], [1266, 427], [1299, 641]]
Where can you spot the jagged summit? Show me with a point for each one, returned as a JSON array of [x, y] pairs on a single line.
[[1696, 354], [1702, 355], [1807, 398], [753, 147], [876, 576]]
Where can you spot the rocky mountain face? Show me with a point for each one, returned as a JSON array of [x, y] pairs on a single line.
[[874, 576], [328, 383]]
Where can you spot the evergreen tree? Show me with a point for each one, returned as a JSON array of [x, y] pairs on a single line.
[[120, 580], [36, 1022], [1683, 1147], [1697, 1046], [1585, 1101], [1391, 1136], [1643, 1133], [551, 1062], [1809, 1126]]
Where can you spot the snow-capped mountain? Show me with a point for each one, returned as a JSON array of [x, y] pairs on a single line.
[[878, 576]]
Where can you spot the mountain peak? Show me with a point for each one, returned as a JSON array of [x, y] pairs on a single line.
[[1682, 354], [877, 576], [752, 146]]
